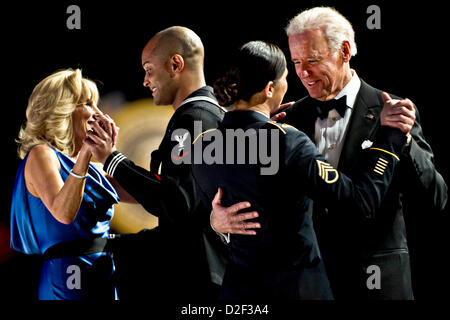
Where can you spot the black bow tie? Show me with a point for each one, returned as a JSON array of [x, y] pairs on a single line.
[[323, 107]]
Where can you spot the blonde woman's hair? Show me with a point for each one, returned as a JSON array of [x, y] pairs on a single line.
[[50, 108]]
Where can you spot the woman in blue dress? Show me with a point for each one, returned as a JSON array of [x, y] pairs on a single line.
[[59, 197]]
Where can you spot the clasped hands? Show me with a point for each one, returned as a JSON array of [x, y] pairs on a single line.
[[102, 137]]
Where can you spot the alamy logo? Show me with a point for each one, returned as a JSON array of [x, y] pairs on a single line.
[[74, 20], [374, 280], [234, 146], [74, 279], [374, 20]]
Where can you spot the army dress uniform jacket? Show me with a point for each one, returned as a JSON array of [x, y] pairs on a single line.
[[168, 262], [283, 261], [351, 246]]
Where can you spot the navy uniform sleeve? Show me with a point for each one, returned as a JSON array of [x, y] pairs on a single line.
[[159, 195], [323, 183], [171, 194]]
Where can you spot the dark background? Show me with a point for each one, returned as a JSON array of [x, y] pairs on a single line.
[[407, 57]]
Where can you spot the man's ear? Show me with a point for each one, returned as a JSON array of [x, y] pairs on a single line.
[[268, 89], [346, 51], [176, 64]]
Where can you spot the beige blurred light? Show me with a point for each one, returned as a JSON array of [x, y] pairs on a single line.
[[142, 125]]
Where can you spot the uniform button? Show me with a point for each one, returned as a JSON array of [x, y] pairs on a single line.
[[331, 147]]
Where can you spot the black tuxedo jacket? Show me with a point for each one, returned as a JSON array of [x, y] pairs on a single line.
[[351, 247]]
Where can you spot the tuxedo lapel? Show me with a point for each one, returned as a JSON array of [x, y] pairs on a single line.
[[302, 116], [363, 124]]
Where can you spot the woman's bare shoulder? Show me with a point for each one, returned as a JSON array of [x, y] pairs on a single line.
[[42, 156]]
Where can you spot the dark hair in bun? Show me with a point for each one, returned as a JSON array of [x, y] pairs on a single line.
[[254, 65]]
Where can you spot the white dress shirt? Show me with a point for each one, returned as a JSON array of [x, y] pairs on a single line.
[[330, 132]]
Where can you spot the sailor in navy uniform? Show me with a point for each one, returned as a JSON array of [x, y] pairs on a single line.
[[171, 261]]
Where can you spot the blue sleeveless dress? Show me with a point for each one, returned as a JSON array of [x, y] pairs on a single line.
[[34, 230]]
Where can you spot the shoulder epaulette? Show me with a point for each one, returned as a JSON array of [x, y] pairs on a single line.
[[277, 125], [285, 125]]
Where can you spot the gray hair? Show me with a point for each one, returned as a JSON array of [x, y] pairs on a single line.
[[335, 26]]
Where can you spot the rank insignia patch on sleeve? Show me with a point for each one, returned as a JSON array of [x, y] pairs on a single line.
[[380, 166], [327, 172]]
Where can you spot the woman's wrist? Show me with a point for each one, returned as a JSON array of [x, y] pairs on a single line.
[[81, 166]]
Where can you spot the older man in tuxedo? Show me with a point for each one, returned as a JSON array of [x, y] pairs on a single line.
[[364, 259]]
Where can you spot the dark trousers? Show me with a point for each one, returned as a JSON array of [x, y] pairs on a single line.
[[302, 283], [162, 265]]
